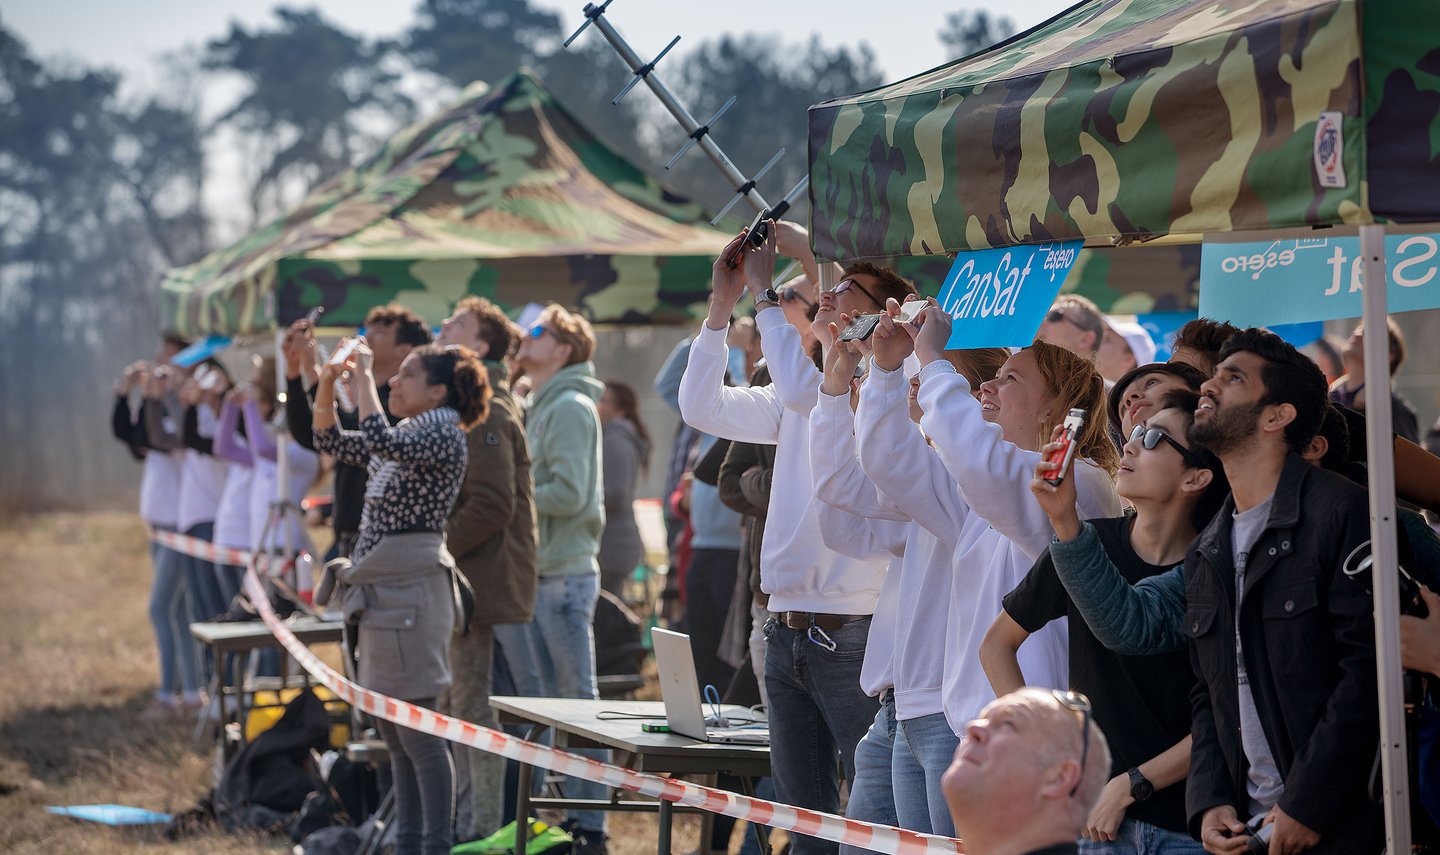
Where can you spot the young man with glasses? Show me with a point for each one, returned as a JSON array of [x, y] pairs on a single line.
[[1141, 701], [821, 602], [554, 654], [1027, 773], [1074, 323]]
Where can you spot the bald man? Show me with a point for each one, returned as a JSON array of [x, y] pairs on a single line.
[[1027, 774]]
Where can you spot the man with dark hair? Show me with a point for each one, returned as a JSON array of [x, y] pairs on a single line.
[[391, 331], [1140, 391], [1074, 323], [491, 533], [1283, 642], [1198, 343]]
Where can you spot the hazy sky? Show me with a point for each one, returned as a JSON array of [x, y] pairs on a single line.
[[128, 33]]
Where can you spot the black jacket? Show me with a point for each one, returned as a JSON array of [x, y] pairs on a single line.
[[1309, 642]]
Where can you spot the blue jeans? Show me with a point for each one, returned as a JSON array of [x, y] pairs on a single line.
[[170, 620], [1141, 838], [924, 747], [553, 656], [818, 714], [872, 797]]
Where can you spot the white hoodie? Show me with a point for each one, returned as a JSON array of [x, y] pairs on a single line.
[[857, 521], [993, 477], [796, 569]]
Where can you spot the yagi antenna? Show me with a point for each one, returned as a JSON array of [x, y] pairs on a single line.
[[699, 132], [744, 190], [644, 71]]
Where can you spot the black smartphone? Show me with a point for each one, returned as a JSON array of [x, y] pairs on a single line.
[[860, 328]]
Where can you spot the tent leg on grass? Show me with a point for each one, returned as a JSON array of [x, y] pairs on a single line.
[[1380, 453]]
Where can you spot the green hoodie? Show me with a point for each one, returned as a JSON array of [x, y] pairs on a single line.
[[564, 433]]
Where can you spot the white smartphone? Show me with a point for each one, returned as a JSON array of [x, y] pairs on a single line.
[[342, 353], [911, 310]]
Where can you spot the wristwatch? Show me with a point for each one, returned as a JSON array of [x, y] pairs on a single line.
[[1140, 786], [767, 296]]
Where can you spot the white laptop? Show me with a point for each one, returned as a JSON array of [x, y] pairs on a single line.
[[680, 690]]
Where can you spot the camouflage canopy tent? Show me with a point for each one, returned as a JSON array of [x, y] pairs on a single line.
[[1125, 120], [502, 194], [1121, 121]]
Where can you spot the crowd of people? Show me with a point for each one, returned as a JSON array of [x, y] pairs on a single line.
[[1160, 641]]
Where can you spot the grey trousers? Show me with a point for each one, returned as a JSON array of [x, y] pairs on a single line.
[[479, 775]]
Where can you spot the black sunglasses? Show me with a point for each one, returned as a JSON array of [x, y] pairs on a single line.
[[1151, 437], [1076, 702], [846, 283], [789, 293]]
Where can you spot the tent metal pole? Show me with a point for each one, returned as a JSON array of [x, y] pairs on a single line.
[[1380, 452], [282, 444], [682, 115]]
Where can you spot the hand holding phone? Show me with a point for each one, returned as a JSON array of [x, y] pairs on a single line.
[[860, 328]]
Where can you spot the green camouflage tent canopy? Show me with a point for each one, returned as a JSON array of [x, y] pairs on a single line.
[[1124, 120], [502, 194]]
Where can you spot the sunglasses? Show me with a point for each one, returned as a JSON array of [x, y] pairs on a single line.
[[1055, 316], [1151, 437], [789, 293], [538, 330], [848, 283], [1076, 702]]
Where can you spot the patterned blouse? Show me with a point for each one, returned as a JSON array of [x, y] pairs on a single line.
[[415, 471]]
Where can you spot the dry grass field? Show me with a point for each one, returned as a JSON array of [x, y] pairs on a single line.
[[78, 670]]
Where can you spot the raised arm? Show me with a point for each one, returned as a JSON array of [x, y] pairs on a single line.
[[709, 406], [993, 473], [228, 444], [157, 436], [417, 447], [262, 444], [859, 537], [835, 469], [1132, 620], [896, 458], [191, 432], [796, 379], [297, 412]]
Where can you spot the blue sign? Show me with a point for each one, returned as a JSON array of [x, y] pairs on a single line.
[[1295, 280], [998, 297], [1162, 327], [200, 351]]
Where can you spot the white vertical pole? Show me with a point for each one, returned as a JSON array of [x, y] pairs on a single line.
[[282, 442], [1380, 453]]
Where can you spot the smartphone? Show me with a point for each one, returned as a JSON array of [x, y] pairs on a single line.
[[860, 328], [755, 235], [1060, 458], [313, 315], [343, 352], [651, 727], [911, 310]]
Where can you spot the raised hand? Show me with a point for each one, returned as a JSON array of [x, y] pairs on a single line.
[[931, 332], [760, 265], [841, 358], [727, 286], [891, 344], [1057, 501]]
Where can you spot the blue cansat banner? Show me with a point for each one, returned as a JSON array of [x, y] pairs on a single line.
[[998, 297], [1305, 279]]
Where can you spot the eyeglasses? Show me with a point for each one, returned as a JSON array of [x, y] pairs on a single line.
[[1076, 702], [847, 283], [789, 293], [1055, 316], [1151, 437]]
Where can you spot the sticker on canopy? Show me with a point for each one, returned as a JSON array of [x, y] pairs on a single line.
[[1293, 280], [998, 297], [1330, 149]]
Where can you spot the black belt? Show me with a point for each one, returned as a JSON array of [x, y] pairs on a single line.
[[805, 620]]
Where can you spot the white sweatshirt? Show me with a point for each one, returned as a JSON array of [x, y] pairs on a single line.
[[160, 488], [857, 521], [232, 515], [993, 478], [304, 468], [202, 479], [796, 569]]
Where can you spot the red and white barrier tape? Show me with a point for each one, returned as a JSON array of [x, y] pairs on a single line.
[[197, 548], [879, 838], [207, 551]]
